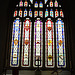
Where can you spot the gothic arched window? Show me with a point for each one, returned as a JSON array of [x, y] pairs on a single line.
[[38, 35]]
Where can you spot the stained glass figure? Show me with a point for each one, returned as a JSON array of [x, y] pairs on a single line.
[[26, 43], [51, 3], [30, 13], [21, 4], [35, 13], [49, 43], [46, 13], [36, 5], [25, 3], [20, 13], [46, 1], [15, 13], [31, 1], [25, 13], [60, 44], [51, 13], [38, 43], [56, 3], [41, 13], [41, 5], [61, 13], [56, 13], [15, 45]]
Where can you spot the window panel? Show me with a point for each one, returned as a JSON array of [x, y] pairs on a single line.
[[49, 44], [26, 43], [21, 4], [46, 13], [15, 45], [60, 44], [38, 43], [15, 13]]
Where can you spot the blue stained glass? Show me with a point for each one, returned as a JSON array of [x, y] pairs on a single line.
[[15, 43]]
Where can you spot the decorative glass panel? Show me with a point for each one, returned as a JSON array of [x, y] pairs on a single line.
[[15, 45], [36, 5], [30, 13], [20, 13], [51, 13], [26, 43], [38, 43], [46, 1], [41, 5], [60, 44], [21, 3], [61, 13], [56, 3], [51, 3], [25, 13], [46, 13], [41, 13], [35, 13], [25, 3], [56, 13], [49, 43], [15, 13], [31, 1]]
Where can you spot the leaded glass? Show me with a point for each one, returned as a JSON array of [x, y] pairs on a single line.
[[49, 43], [60, 44], [15, 45], [38, 43], [26, 43]]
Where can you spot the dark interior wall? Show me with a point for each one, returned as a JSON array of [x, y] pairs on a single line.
[[5, 5]]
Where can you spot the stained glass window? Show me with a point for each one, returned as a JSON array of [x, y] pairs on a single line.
[[45, 1], [51, 3], [56, 13], [36, 5], [56, 3], [41, 13], [60, 44], [51, 13], [38, 43], [31, 1], [26, 43], [49, 43], [46, 13], [21, 3], [15, 13], [35, 13], [20, 13], [41, 5], [25, 3], [25, 13], [15, 45], [43, 38], [30, 13]]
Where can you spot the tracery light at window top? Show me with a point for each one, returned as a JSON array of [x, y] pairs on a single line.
[[46, 13], [51, 13], [15, 13], [49, 43], [21, 3], [30, 13], [38, 43], [25, 3], [26, 43], [41, 13], [41, 5], [25, 13], [60, 44], [15, 45], [51, 3], [20, 13], [35, 13]]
